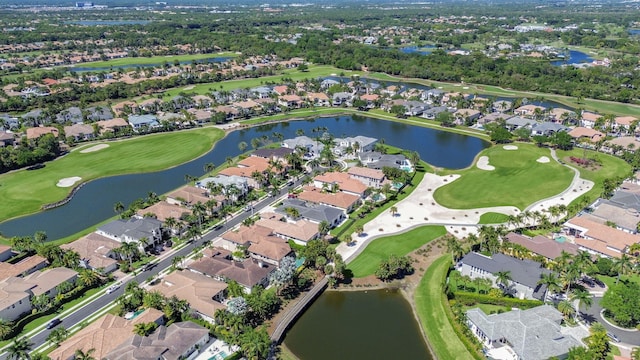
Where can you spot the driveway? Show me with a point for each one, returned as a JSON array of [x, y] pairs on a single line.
[[593, 314]]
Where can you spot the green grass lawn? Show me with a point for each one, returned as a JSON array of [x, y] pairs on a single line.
[[23, 192], [153, 60], [518, 180], [379, 249], [430, 306], [493, 218], [611, 167], [488, 308]]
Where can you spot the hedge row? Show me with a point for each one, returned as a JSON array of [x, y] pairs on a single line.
[[470, 299]]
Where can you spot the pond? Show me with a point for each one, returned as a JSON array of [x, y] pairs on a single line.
[[93, 203], [422, 50], [575, 57], [357, 325], [169, 60]]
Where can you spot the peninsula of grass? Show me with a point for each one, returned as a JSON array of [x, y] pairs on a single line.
[[493, 218], [128, 61], [431, 307], [401, 244], [518, 180], [24, 192]]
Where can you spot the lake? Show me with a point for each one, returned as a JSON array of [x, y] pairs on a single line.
[[93, 203], [575, 57], [356, 325], [422, 50]]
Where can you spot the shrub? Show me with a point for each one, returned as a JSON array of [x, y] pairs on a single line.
[[470, 299]]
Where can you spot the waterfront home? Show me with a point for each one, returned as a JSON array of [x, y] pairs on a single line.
[[204, 294], [181, 340], [433, 112], [132, 230], [532, 334], [542, 245], [599, 239], [16, 293], [516, 122], [466, 116], [338, 199], [139, 122], [312, 147], [502, 106], [36, 132], [529, 110], [378, 161], [290, 101], [313, 212], [227, 184], [561, 115], [96, 252], [357, 144], [188, 196], [318, 99], [23, 267], [524, 274], [104, 335], [164, 210], [5, 253], [280, 153], [340, 98], [219, 264]]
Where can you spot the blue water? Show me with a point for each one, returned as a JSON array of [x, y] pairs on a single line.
[[634, 32], [423, 50], [93, 203], [575, 57], [169, 60], [108, 22]]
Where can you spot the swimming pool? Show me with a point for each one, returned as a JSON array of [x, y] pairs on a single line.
[[560, 239]]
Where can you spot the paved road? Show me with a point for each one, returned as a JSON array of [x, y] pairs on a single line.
[[93, 307], [593, 314]]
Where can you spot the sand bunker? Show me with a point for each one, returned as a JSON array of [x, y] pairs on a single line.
[[543, 160], [191, 87], [95, 148], [483, 164], [510, 147], [67, 182]]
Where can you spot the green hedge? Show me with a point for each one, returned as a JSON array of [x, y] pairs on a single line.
[[470, 299]]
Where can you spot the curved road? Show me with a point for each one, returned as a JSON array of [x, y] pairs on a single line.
[[593, 314], [93, 307]]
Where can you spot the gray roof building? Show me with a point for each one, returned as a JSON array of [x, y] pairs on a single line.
[[98, 113], [533, 334], [132, 230], [626, 199], [517, 122], [524, 273], [313, 212], [72, 114], [181, 340], [312, 147], [626, 219], [547, 128], [137, 121], [374, 161], [11, 122]]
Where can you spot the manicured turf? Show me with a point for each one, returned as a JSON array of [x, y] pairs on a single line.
[[611, 167], [153, 60], [23, 192], [493, 218], [518, 180], [431, 310], [379, 249]]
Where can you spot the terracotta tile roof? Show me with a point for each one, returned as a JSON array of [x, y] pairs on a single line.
[[580, 131], [245, 235], [103, 335], [36, 132], [113, 123], [247, 273], [589, 116], [95, 249], [292, 98], [248, 104], [190, 194], [339, 199], [366, 172], [542, 245], [611, 237], [237, 171], [46, 280], [271, 247], [302, 230], [164, 210], [226, 109], [26, 265], [280, 89], [343, 180], [197, 289], [625, 120], [370, 97], [597, 246], [318, 96], [78, 129], [255, 163]]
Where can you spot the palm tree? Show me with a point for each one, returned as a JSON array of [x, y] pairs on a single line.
[[209, 167], [583, 299], [129, 250], [81, 355], [58, 335], [635, 353], [118, 207], [6, 327], [323, 227], [503, 278], [623, 266], [393, 210], [88, 277], [19, 349], [566, 308], [242, 145], [552, 283], [171, 223]]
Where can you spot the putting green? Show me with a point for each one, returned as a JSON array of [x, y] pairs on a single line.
[[518, 180], [24, 192]]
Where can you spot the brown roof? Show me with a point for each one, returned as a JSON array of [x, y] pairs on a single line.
[[343, 180], [542, 245], [103, 335], [163, 210], [244, 235], [13, 290], [614, 238], [247, 273], [366, 172], [26, 265], [589, 116], [226, 109], [597, 246], [339, 199], [78, 129], [625, 141], [47, 280], [370, 97], [197, 289], [255, 163], [113, 123], [317, 96], [271, 247], [293, 98], [302, 230], [592, 134], [94, 248], [625, 120], [36, 132], [249, 104], [190, 194]]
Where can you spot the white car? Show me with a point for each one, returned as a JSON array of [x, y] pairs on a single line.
[[113, 288]]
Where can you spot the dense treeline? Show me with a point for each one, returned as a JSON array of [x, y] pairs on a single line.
[[29, 153]]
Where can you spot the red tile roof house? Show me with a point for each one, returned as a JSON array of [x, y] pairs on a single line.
[[35, 132], [343, 181], [292, 101], [589, 119], [341, 200], [542, 245], [260, 241], [300, 231], [96, 252], [599, 239], [583, 133], [369, 177], [113, 125], [164, 210]]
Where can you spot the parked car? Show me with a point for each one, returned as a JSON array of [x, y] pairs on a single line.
[[248, 208], [588, 282], [613, 337], [53, 323], [113, 288]]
